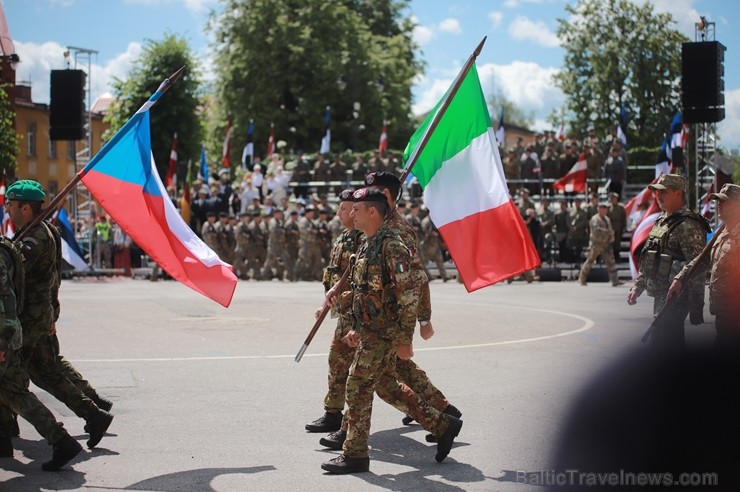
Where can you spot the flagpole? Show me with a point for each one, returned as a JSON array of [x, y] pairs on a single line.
[[409, 165], [438, 117], [55, 203]]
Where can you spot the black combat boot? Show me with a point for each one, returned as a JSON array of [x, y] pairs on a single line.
[[329, 422], [334, 441], [449, 410], [445, 441], [407, 420], [102, 403], [344, 464], [64, 451], [15, 431], [97, 424], [6, 447]]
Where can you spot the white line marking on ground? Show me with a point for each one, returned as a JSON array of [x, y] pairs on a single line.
[[587, 325]]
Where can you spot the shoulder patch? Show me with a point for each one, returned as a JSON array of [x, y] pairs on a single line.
[[402, 267]]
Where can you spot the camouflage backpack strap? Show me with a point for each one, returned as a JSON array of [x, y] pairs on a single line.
[[54, 231], [676, 219], [19, 279]]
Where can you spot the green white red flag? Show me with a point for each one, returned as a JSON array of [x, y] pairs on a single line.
[[465, 190]]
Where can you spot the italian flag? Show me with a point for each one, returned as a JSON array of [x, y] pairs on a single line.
[[465, 191]]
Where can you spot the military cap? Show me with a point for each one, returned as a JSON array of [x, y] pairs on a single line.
[[276, 210], [414, 204], [614, 195], [309, 209], [603, 205], [669, 182], [246, 213], [323, 210], [346, 195], [401, 204], [223, 215], [25, 190], [369, 195], [523, 190], [256, 212], [382, 178], [294, 212], [728, 192]]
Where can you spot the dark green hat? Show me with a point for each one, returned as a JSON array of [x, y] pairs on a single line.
[[25, 190]]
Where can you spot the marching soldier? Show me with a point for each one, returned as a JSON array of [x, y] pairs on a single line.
[[275, 247], [431, 246], [243, 245], [725, 268], [618, 216], [602, 235], [209, 233], [292, 233], [257, 244], [14, 394], [308, 266], [677, 236], [384, 306], [225, 238]]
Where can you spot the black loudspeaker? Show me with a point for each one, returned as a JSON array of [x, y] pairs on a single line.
[[598, 275], [67, 105], [702, 82], [550, 274]]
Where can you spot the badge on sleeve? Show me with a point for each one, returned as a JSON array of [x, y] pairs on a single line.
[[402, 267]]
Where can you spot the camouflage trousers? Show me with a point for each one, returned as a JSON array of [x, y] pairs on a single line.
[[669, 332], [308, 267], [291, 256], [415, 378], [255, 260], [607, 254], [69, 371], [433, 253], [340, 359], [373, 370], [16, 398], [47, 371], [274, 257]]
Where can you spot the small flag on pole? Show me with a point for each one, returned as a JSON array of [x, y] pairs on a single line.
[[575, 180], [501, 132], [226, 158], [171, 178], [326, 141], [248, 153], [271, 141], [203, 165], [383, 143]]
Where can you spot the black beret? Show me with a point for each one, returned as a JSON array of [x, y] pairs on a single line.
[[369, 195], [256, 213], [346, 195], [382, 178], [223, 215], [210, 214]]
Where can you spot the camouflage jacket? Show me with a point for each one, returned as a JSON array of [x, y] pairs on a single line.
[[41, 251], [398, 224], [345, 246], [601, 230], [275, 234], [11, 296], [725, 276], [674, 240], [384, 299], [209, 234]]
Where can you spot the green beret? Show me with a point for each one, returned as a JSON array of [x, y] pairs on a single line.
[[25, 190], [369, 195]]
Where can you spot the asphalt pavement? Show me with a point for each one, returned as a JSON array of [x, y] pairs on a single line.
[[207, 398]]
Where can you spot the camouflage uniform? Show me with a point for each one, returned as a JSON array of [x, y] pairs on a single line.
[[602, 235], [226, 241], [275, 249], [323, 240], [308, 266], [209, 234], [674, 240], [385, 309], [431, 246], [340, 354], [14, 394], [241, 252], [292, 234], [578, 233], [257, 252], [618, 216]]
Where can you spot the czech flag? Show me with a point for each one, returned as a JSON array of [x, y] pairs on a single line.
[[124, 179]]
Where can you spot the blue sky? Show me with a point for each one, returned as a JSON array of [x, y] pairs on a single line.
[[519, 58]]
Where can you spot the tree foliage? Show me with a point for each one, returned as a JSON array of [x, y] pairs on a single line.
[[513, 114], [178, 111], [285, 61], [618, 52], [8, 135]]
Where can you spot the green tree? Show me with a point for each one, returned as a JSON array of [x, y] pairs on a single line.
[[8, 136], [285, 61], [513, 114], [178, 111], [620, 53]]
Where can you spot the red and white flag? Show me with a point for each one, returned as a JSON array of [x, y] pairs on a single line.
[[575, 180], [383, 144], [171, 178], [561, 133], [640, 236], [271, 141], [226, 159]]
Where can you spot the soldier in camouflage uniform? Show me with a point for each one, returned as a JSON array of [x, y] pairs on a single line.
[[725, 269], [224, 238], [323, 237], [209, 232], [14, 394], [340, 354], [257, 253], [275, 247], [40, 248], [602, 235], [618, 216], [292, 234], [431, 246], [241, 252], [384, 307], [308, 266], [677, 236]]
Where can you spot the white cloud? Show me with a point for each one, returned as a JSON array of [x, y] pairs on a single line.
[[37, 61], [450, 25], [526, 84], [496, 18], [729, 128], [422, 34], [682, 11], [523, 28], [194, 6], [512, 4]]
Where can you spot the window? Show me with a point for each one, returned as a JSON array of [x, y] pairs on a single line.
[[52, 149], [31, 140], [70, 151], [52, 189]]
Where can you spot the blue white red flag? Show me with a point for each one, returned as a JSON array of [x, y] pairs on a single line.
[[203, 165], [326, 140], [248, 152], [71, 252], [124, 180]]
